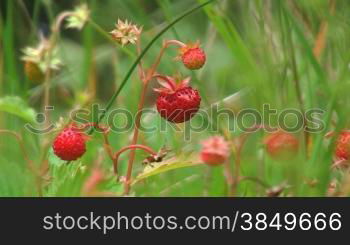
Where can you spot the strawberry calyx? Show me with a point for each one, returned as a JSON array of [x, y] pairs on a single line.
[[188, 46], [171, 84]]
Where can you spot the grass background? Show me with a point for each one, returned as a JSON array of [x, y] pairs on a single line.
[[260, 49]]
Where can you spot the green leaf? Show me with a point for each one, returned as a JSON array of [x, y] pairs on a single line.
[[65, 179], [170, 164], [54, 160], [18, 107]]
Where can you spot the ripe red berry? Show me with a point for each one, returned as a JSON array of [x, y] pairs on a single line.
[[177, 103], [215, 150], [69, 145], [192, 56], [281, 145], [342, 149]]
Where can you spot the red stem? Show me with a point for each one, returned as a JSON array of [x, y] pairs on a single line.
[[135, 138], [145, 78], [105, 131], [129, 147], [155, 65]]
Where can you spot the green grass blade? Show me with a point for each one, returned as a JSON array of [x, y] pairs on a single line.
[[308, 50]]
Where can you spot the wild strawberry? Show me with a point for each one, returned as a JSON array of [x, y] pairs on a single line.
[[192, 56], [342, 148], [177, 102], [215, 150], [69, 145], [281, 145]]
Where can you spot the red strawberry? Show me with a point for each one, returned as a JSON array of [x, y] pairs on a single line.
[[215, 150], [69, 145], [281, 145], [342, 149], [177, 102], [192, 56]]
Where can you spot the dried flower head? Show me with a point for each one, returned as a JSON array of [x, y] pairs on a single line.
[[79, 17], [215, 150], [125, 32], [41, 56]]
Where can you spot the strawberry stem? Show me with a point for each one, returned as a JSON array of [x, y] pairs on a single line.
[[166, 44], [145, 81], [105, 129], [129, 147], [175, 42], [135, 138], [51, 44]]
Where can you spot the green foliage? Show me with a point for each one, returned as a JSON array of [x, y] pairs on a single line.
[[164, 166], [258, 52], [18, 107]]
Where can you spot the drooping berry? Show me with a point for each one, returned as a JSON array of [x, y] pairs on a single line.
[[192, 56], [281, 145], [342, 148], [177, 102], [69, 145], [215, 150]]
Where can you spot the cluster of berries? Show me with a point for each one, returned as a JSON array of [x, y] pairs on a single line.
[[177, 102], [279, 145], [70, 145]]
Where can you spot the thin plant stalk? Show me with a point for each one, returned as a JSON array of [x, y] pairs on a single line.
[[51, 45], [238, 151], [109, 38], [165, 45], [135, 138], [132, 148], [297, 81], [144, 51], [145, 82], [229, 178]]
